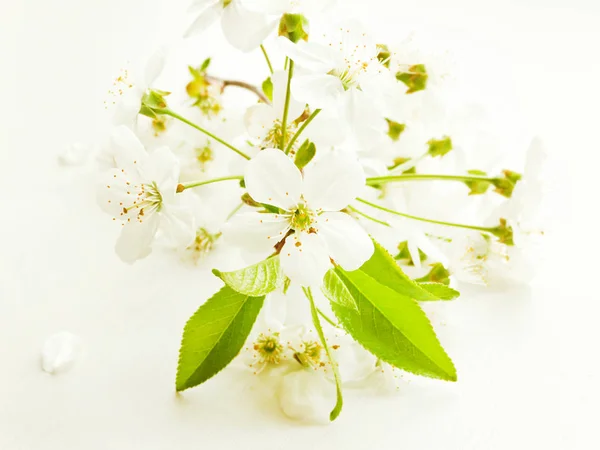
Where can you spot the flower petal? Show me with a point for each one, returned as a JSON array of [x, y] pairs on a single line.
[[255, 231], [333, 181], [304, 259], [267, 6], [128, 151], [162, 167], [307, 396], [244, 29], [259, 120], [178, 225], [155, 66], [136, 239], [318, 90], [272, 178], [347, 242], [205, 19], [311, 56]]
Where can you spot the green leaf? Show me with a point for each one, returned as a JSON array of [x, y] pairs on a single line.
[[387, 272], [305, 154], [267, 88], [441, 291], [336, 291], [258, 279], [214, 335], [392, 327]]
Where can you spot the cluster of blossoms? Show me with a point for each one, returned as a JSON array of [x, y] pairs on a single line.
[[349, 145]]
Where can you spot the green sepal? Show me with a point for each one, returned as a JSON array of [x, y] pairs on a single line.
[[384, 55], [437, 274], [505, 185], [399, 161], [267, 87], [504, 233], [214, 335], [478, 187], [204, 65], [155, 99], [439, 147], [305, 154], [255, 280], [415, 78], [294, 27], [405, 256], [395, 129]]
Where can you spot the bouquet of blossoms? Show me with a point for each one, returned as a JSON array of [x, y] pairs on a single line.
[[348, 187]]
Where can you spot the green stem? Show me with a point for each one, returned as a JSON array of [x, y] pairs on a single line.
[[422, 219], [300, 130], [327, 319], [237, 208], [366, 216], [264, 51], [168, 112], [286, 108], [425, 177], [336, 374], [183, 186]]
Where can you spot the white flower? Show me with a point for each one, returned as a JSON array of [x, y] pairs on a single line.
[[288, 6], [60, 351], [342, 73], [307, 396], [129, 89], [244, 29], [140, 193], [264, 121], [310, 226]]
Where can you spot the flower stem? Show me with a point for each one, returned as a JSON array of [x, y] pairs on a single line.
[[232, 213], [241, 84], [329, 320], [425, 177], [264, 51], [183, 186], [286, 108], [300, 130], [422, 219], [168, 112], [336, 374], [366, 216]]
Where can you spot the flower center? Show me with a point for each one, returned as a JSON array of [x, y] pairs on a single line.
[[268, 348], [302, 219], [204, 155], [310, 354]]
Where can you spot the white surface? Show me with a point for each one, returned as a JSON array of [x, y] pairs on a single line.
[[526, 358]]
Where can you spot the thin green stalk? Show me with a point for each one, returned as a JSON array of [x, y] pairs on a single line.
[[336, 373], [422, 219], [366, 216], [300, 130], [286, 108], [168, 112], [327, 319], [183, 186], [426, 177], [264, 51], [237, 208]]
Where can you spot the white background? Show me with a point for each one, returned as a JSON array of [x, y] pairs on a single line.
[[527, 358]]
